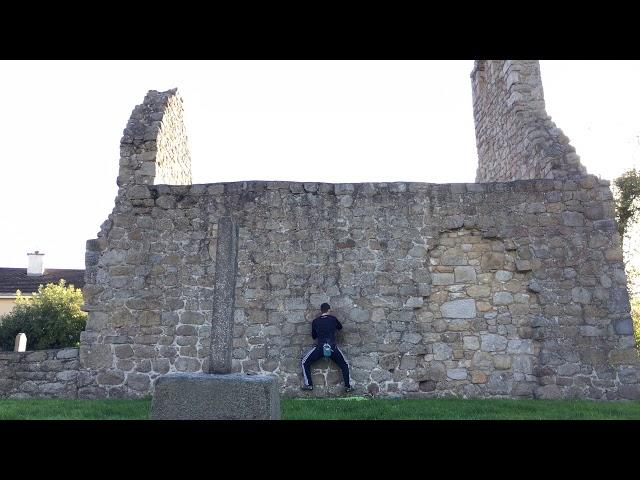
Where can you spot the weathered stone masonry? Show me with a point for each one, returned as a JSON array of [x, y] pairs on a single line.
[[45, 373], [488, 289], [516, 139], [154, 145]]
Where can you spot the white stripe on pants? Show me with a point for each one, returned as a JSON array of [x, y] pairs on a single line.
[[304, 374]]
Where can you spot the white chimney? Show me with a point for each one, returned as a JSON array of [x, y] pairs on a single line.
[[36, 266]]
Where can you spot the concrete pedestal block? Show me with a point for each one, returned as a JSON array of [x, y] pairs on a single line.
[[202, 396]]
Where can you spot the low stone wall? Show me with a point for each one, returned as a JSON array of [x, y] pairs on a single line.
[[39, 374]]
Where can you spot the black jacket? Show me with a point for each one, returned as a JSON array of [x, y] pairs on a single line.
[[324, 329]]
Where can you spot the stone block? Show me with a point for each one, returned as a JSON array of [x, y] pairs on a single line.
[[418, 251], [478, 291], [523, 265], [216, 397], [490, 342], [492, 261], [503, 275], [192, 318], [427, 386], [52, 389], [96, 356], [138, 381], [442, 278], [36, 356], [112, 377], [123, 351], [389, 361], [435, 371], [442, 351], [522, 389], [67, 375], [624, 356], [408, 362], [502, 298], [414, 302], [457, 373], [534, 286], [581, 295], [187, 364], [605, 225], [572, 219], [471, 343], [465, 274], [520, 346], [454, 222], [478, 377], [551, 392], [465, 308], [623, 326], [343, 188], [629, 392], [454, 258], [502, 362], [458, 325]]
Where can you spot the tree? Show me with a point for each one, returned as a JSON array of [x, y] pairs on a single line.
[[627, 200], [51, 318], [635, 315], [627, 188]]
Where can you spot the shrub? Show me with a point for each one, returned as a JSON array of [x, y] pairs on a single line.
[[51, 318]]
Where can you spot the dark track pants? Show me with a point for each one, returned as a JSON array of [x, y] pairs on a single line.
[[316, 354]]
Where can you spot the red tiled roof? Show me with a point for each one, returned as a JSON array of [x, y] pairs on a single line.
[[12, 279]]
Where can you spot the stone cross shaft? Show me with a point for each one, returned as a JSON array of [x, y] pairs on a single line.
[[224, 296]]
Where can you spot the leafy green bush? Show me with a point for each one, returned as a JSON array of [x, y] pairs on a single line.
[[51, 318]]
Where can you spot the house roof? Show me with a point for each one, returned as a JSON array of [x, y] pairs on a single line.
[[12, 279]]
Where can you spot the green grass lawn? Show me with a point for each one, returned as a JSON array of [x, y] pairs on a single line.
[[349, 408], [66, 409], [456, 409]]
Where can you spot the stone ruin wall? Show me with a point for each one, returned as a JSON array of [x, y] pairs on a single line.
[[512, 289], [496, 289], [490, 289], [515, 137], [154, 147]]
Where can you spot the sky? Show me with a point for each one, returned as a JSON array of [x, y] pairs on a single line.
[[325, 121]]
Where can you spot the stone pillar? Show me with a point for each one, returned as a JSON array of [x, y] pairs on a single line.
[[219, 395], [224, 296]]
